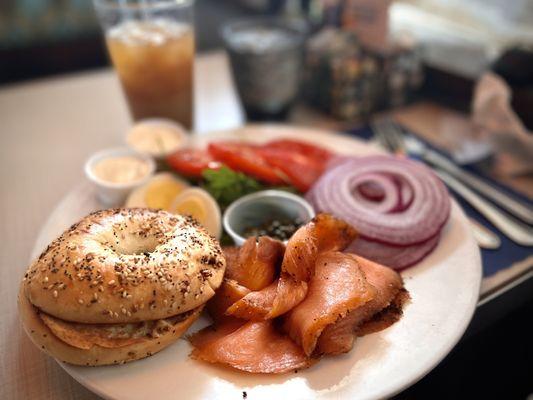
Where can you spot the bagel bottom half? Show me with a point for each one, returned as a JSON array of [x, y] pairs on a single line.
[[43, 337]]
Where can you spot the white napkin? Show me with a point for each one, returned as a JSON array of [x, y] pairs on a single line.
[[494, 119]]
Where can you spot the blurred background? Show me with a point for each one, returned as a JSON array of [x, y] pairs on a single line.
[[456, 40], [486, 26]]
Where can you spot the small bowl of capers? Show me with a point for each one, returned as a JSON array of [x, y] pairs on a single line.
[[273, 213]]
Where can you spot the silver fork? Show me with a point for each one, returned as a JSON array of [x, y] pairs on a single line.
[[392, 138]]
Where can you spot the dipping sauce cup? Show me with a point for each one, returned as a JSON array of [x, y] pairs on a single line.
[[116, 172]]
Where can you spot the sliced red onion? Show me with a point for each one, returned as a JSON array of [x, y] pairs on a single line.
[[371, 191], [406, 195], [421, 201], [337, 160], [395, 257], [310, 196], [390, 199]]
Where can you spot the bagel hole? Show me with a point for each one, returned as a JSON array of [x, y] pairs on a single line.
[[126, 243], [137, 246]]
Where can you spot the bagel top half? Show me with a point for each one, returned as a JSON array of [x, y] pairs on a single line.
[[126, 265]]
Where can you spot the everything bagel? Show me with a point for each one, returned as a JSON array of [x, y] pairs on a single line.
[[120, 268]]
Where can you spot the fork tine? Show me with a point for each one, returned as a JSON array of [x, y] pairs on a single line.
[[381, 134], [378, 135], [395, 135]]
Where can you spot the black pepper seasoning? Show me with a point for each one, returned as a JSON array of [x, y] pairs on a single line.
[[278, 229]]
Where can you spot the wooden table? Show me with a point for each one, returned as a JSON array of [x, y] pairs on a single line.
[[49, 128]]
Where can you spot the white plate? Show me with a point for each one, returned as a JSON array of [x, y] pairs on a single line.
[[444, 290]]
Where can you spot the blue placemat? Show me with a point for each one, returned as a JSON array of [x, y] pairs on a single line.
[[493, 260]]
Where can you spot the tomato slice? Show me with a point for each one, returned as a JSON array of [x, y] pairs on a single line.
[[304, 148], [245, 158], [302, 171], [191, 162]]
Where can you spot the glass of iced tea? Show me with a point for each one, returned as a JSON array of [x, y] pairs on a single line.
[[151, 45]]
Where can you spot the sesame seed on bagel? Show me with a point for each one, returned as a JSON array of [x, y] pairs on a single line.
[[126, 265]]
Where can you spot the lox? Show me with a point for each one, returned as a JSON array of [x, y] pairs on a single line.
[[309, 300]]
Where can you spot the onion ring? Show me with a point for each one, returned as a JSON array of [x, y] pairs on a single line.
[[395, 257]]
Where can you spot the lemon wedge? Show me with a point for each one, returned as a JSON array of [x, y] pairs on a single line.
[[201, 206], [159, 192]]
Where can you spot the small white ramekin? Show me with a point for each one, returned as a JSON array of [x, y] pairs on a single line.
[[177, 128], [114, 194]]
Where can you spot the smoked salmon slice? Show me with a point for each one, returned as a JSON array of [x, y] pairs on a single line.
[[276, 299], [255, 347], [386, 317], [337, 287], [289, 294], [209, 335], [255, 264], [280, 308], [340, 336], [255, 305], [231, 253], [227, 294], [324, 233]]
